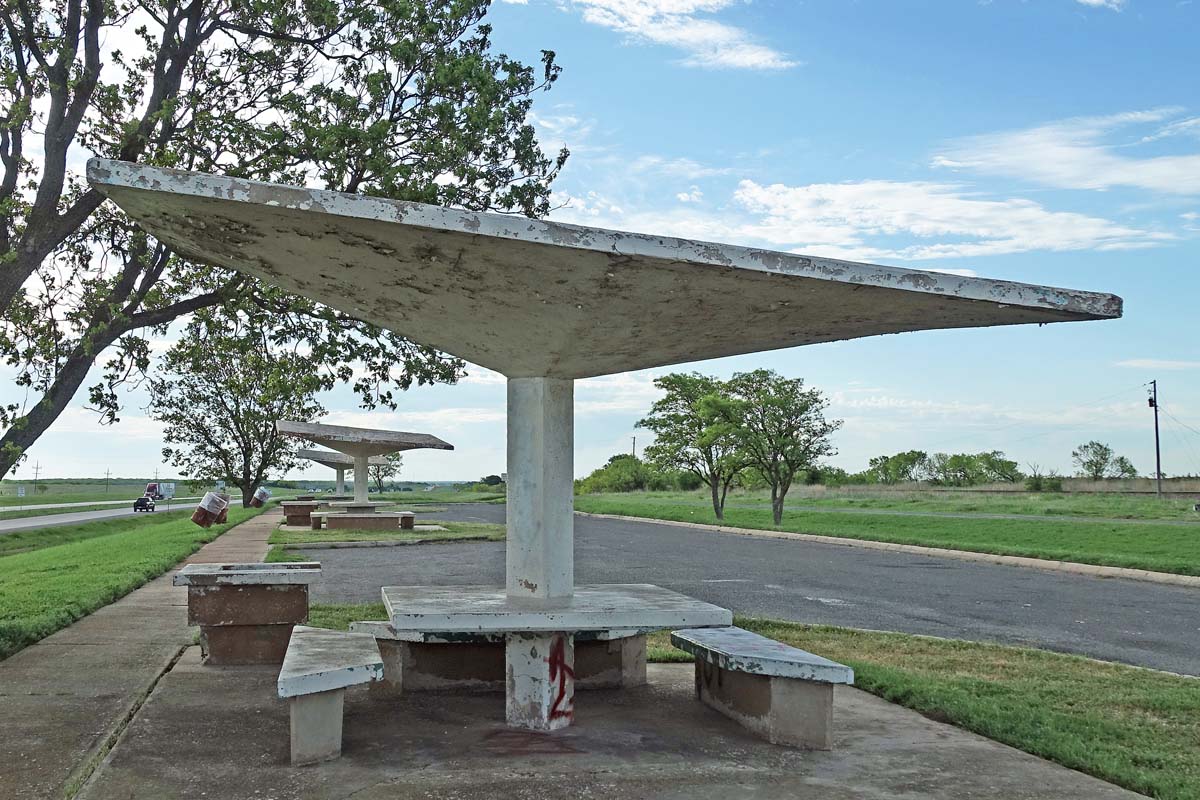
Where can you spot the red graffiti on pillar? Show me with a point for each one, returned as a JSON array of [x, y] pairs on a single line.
[[561, 672]]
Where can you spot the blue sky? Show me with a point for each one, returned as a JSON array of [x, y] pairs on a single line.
[[1052, 142]]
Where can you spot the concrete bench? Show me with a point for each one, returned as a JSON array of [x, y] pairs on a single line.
[[780, 692], [317, 668]]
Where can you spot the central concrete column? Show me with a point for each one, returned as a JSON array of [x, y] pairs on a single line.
[[540, 554], [341, 480], [540, 558], [360, 479]]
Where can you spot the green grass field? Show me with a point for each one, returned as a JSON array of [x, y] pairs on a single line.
[[66, 573], [960, 501], [1164, 548], [1136, 728]]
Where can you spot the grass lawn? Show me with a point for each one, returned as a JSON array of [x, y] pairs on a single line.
[[37, 538], [48, 588], [957, 501], [283, 541], [1136, 728], [1163, 548]]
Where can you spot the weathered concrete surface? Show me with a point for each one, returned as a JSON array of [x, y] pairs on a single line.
[[222, 733], [474, 609], [319, 659], [745, 651], [64, 697], [338, 461], [360, 441], [529, 298]]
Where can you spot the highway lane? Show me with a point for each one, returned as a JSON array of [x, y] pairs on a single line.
[[77, 517], [1135, 622]]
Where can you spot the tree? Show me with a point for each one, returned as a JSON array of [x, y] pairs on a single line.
[[1122, 467], [491, 480], [778, 425], [219, 395], [1097, 461], [382, 472], [690, 436], [402, 100], [911, 465]]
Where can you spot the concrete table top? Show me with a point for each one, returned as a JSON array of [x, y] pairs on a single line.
[[745, 651], [483, 609], [529, 298], [297, 572], [335, 460], [360, 441], [319, 660]]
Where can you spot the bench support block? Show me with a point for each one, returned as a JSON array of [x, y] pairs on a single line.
[[539, 681], [316, 726], [785, 711]]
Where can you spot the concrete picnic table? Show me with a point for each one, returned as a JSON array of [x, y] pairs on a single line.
[[544, 304]]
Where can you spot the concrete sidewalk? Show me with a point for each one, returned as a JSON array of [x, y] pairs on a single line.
[[64, 700], [209, 732]]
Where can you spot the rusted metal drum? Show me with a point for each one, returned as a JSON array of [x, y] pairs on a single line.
[[210, 509], [260, 497]]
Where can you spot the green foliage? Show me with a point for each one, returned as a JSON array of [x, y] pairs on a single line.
[[1097, 461], [971, 469], [911, 465], [491, 480], [628, 473], [223, 388], [691, 437], [378, 473], [778, 426], [395, 99]]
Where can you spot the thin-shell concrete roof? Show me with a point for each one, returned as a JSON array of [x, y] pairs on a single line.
[[529, 298], [334, 460], [360, 441]]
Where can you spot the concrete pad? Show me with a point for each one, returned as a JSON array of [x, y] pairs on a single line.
[[222, 733]]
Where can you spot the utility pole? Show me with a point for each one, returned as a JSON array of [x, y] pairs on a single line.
[[1157, 447], [634, 447], [107, 472], [37, 468]]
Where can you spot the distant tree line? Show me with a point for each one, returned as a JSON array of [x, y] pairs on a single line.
[[762, 430]]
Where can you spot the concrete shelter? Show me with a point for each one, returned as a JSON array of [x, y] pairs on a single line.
[[339, 462], [545, 303], [359, 445]]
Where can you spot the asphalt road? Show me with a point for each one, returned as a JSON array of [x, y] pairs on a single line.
[[1135, 622], [77, 517]]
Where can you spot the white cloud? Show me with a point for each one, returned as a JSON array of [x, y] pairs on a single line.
[[692, 195], [1157, 363], [863, 220], [1114, 5], [676, 167], [676, 23], [433, 421], [1077, 154]]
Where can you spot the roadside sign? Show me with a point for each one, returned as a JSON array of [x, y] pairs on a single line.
[[167, 490], [20, 491], [220, 486]]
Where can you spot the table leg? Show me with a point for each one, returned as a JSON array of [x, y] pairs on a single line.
[[540, 685]]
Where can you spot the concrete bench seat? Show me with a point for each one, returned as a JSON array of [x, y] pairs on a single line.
[[780, 692], [317, 668]]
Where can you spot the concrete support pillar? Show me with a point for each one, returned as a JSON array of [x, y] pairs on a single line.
[[540, 551], [360, 479], [316, 726], [540, 680], [341, 480]]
